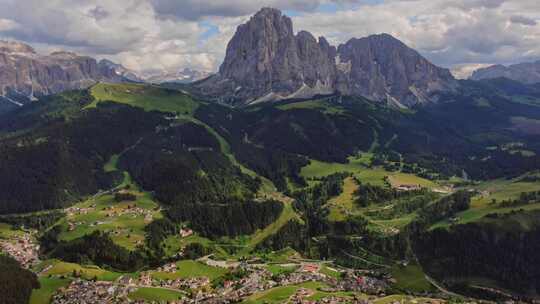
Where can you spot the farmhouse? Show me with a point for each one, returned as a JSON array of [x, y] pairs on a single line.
[[408, 187]]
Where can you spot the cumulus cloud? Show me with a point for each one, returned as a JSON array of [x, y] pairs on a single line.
[[447, 32], [523, 20], [196, 9], [173, 34], [464, 71]]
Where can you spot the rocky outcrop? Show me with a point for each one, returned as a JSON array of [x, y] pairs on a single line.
[[26, 75], [266, 61], [381, 67], [528, 73], [109, 69]]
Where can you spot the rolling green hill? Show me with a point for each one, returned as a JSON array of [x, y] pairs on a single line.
[[149, 98]]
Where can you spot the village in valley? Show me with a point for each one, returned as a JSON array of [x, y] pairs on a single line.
[[305, 279], [243, 276], [205, 280]]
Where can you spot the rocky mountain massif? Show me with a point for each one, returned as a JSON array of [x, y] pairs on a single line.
[[26, 75], [266, 61], [528, 73]]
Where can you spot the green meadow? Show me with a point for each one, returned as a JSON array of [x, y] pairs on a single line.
[[48, 287], [191, 269], [147, 97], [320, 105], [343, 204], [359, 167], [7, 231], [89, 272], [411, 277], [127, 230], [160, 295], [490, 198]]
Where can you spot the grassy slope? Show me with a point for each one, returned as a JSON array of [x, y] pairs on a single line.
[[191, 269], [148, 97], [411, 278], [313, 104], [343, 204], [48, 288], [359, 167], [130, 228], [154, 98], [280, 294], [160, 295], [6, 231], [278, 269], [287, 215], [60, 268], [499, 190]]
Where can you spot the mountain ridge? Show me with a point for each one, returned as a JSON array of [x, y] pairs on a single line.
[[26, 75], [526, 72], [266, 61]]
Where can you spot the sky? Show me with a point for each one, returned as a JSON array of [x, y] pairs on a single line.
[[156, 35]]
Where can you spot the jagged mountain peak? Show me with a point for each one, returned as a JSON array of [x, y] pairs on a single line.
[[25, 75], [266, 61], [9, 46]]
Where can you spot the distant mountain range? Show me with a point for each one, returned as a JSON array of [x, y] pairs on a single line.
[[266, 61], [26, 75], [528, 73], [186, 75]]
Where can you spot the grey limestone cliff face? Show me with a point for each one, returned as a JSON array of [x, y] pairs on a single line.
[[26, 75], [382, 68], [266, 61], [528, 73]]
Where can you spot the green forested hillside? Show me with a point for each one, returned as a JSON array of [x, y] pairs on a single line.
[[364, 185]]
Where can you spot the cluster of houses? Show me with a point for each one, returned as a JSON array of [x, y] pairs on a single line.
[[132, 210], [257, 279], [89, 292], [185, 232], [23, 249], [408, 187], [74, 211], [362, 283], [146, 280]]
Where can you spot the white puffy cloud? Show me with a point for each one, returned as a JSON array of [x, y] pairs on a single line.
[[173, 34], [195, 9], [447, 32]]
